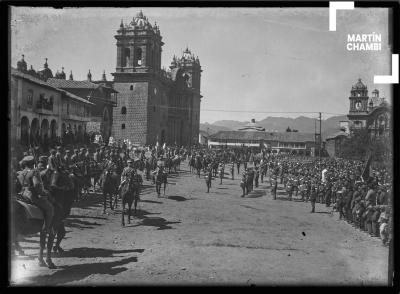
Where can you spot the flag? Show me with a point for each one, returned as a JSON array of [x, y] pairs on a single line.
[[365, 174]]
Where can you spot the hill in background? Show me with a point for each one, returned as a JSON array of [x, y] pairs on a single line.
[[302, 124]]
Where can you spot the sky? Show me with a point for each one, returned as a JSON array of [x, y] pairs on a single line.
[[256, 62]]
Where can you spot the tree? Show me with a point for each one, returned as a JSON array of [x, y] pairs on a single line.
[[288, 129]]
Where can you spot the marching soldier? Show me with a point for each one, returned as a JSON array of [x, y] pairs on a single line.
[[32, 189], [233, 170], [243, 182], [313, 198], [274, 185]]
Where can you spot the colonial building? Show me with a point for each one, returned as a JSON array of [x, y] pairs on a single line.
[[154, 105], [253, 135], [101, 94], [368, 113], [39, 110]]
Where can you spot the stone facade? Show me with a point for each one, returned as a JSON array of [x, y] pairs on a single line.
[[154, 105]]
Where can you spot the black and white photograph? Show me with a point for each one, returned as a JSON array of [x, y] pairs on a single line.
[[244, 146]]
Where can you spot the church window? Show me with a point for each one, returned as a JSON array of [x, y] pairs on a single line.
[[131, 87], [139, 56], [123, 126], [123, 110]]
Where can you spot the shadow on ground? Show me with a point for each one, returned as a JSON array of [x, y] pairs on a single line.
[[77, 272], [90, 252]]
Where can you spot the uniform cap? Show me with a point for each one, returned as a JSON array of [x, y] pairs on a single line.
[[129, 161], [58, 147], [82, 149], [68, 151], [76, 150]]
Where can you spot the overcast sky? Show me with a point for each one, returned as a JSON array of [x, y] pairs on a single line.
[[253, 59]]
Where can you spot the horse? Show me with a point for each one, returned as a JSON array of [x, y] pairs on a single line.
[[198, 165], [130, 194], [109, 182], [29, 219], [160, 178]]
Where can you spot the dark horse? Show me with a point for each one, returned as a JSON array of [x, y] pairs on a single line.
[[130, 194], [109, 182], [62, 194]]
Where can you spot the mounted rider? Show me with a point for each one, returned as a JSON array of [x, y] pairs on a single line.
[[33, 190], [127, 174]]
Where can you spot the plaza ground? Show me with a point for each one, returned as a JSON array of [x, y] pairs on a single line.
[[192, 237]]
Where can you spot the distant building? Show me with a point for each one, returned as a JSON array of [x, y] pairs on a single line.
[[277, 142], [368, 113]]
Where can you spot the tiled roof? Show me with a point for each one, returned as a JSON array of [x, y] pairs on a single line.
[[61, 83], [256, 136], [35, 80]]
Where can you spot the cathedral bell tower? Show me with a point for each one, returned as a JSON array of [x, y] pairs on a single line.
[[138, 47]]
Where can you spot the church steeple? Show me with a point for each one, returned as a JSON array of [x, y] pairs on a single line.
[[136, 55], [71, 77], [89, 76], [104, 76]]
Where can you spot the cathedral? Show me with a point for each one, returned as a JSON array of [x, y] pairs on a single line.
[[154, 105]]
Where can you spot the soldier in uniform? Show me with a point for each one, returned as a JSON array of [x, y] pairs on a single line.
[[274, 185], [313, 198], [127, 173], [96, 155], [33, 190], [233, 170], [243, 182]]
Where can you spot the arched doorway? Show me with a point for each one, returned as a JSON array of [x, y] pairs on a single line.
[[34, 132], [44, 129], [106, 124], [44, 132], [25, 131], [53, 129]]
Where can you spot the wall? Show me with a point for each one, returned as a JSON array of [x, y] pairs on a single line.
[[136, 117]]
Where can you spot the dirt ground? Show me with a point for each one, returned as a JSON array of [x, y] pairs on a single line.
[[191, 237]]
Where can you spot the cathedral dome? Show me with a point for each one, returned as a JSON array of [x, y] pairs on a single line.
[[140, 21], [359, 86]]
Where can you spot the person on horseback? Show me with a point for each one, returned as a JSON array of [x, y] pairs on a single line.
[[33, 190], [127, 173]]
